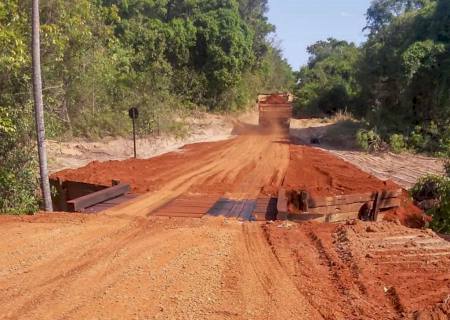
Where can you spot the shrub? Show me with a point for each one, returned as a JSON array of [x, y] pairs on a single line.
[[417, 139], [437, 188], [397, 143], [18, 167], [447, 168], [369, 140]]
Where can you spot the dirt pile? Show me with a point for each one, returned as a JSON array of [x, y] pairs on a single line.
[[366, 270], [337, 136], [144, 175], [243, 167], [323, 174]]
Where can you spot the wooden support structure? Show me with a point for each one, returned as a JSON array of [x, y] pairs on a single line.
[[294, 205], [282, 205], [89, 200], [376, 207]]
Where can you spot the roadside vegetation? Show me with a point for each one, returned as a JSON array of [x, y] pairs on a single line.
[[397, 83], [432, 193], [99, 58]]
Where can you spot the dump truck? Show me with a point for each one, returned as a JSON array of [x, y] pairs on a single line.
[[275, 111]]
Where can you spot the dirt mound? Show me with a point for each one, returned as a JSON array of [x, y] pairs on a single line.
[[323, 174], [408, 213], [441, 311], [250, 163], [366, 270], [143, 175]]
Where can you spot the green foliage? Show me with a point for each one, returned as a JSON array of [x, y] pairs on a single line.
[[397, 143], [405, 72], [18, 181], [17, 171], [436, 188], [99, 58], [328, 84], [398, 80], [368, 140], [447, 168]]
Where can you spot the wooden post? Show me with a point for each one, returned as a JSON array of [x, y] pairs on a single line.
[[39, 107], [376, 207]]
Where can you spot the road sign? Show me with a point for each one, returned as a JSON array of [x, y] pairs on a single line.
[[133, 113]]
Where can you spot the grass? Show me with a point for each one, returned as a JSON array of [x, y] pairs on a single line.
[[342, 132]]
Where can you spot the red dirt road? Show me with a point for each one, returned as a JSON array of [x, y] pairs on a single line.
[[128, 264]]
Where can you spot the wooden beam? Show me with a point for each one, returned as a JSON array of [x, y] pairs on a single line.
[[315, 202], [79, 204], [282, 205], [337, 217], [376, 207], [355, 207]]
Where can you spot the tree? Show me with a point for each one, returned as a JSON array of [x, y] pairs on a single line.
[[405, 72], [39, 107], [328, 83], [383, 12]]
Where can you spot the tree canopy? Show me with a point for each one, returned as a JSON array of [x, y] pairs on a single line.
[[328, 83], [398, 80], [100, 57]]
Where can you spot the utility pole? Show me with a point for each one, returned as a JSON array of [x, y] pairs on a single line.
[[39, 106]]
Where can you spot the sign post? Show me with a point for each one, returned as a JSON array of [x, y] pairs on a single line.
[[134, 114]]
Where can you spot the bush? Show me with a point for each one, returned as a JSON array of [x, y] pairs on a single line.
[[447, 168], [435, 188], [18, 167], [397, 143], [369, 140]]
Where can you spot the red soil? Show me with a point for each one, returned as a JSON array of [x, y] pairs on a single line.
[[313, 170], [143, 175], [366, 270], [408, 214], [242, 168], [323, 174], [128, 265]]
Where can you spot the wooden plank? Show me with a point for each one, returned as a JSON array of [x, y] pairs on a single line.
[[246, 213], [179, 215], [76, 189], [221, 207], [236, 209], [192, 203], [199, 198], [97, 208], [282, 204], [376, 207], [184, 209], [97, 197], [355, 207], [315, 202], [121, 199]]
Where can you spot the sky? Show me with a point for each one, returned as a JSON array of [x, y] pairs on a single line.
[[300, 23]]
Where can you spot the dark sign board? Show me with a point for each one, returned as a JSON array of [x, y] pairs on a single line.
[[133, 113]]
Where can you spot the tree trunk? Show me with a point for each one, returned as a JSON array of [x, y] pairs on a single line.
[[39, 108]]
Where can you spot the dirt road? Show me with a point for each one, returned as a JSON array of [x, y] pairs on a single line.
[[128, 264], [337, 137]]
